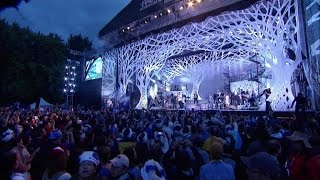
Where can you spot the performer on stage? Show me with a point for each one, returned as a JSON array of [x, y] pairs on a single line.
[[211, 101], [195, 98], [267, 93], [179, 97], [252, 99], [300, 103]]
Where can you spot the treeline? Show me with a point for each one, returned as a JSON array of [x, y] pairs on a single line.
[[32, 64]]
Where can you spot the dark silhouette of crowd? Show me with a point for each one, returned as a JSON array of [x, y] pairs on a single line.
[[55, 144]]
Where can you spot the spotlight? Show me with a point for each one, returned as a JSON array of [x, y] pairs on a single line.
[[190, 4], [71, 90], [123, 30], [66, 67], [155, 16], [199, 1], [181, 7], [65, 78], [70, 84], [64, 90], [169, 11], [128, 27], [73, 67]]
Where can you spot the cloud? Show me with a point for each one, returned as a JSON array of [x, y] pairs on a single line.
[[65, 17]]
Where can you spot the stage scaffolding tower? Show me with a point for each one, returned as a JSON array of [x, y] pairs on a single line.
[[70, 82]]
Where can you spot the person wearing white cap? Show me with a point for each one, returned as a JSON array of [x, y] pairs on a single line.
[[119, 167], [89, 162], [152, 170]]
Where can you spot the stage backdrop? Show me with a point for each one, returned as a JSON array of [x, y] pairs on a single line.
[[245, 86]]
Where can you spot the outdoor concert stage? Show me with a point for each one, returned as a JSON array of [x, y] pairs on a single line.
[[242, 50]]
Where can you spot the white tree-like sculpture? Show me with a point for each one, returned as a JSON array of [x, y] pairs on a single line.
[[154, 52], [128, 58], [267, 28], [196, 68], [270, 29], [147, 67], [109, 75]]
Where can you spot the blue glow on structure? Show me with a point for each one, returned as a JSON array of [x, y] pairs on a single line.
[[95, 71]]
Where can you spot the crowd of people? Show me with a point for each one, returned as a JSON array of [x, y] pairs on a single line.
[[56, 144]]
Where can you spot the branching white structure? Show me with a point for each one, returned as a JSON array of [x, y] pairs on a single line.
[[153, 56], [127, 64], [267, 28], [109, 78], [271, 29]]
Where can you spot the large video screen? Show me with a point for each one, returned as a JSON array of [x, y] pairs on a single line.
[[95, 70]]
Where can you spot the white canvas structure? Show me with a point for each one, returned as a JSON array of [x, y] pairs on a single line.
[[43, 103], [268, 29]]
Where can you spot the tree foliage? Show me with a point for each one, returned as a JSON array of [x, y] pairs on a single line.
[[31, 65]]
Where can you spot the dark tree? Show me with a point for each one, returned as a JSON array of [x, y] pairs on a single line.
[[31, 65]]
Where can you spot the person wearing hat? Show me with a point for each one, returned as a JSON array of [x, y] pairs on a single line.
[[262, 166], [299, 148], [118, 167], [88, 165], [152, 170], [275, 131], [216, 169]]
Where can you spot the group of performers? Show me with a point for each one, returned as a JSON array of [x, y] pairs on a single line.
[[226, 100], [218, 100]]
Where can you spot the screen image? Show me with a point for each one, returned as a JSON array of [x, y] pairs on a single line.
[[95, 70]]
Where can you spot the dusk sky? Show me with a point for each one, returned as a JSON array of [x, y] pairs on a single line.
[[65, 17]]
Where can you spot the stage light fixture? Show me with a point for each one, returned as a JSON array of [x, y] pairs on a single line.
[[190, 4], [199, 1], [181, 7], [128, 27], [155, 16], [169, 11], [64, 90], [65, 78]]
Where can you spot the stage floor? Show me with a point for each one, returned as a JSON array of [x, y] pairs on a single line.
[[241, 112]]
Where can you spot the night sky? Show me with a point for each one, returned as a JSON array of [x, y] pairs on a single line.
[[65, 17]]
